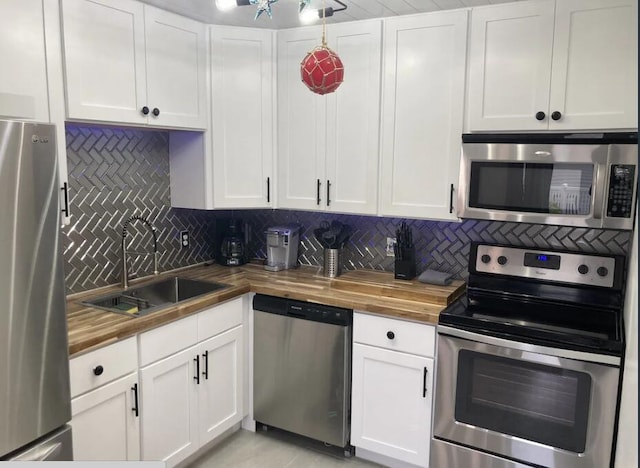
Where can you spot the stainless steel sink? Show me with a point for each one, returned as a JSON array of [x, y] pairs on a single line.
[[143, 300]]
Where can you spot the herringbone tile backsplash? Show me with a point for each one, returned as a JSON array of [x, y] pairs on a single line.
[[116, 173]]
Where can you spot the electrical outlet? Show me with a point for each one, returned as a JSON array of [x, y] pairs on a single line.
[[184, 239], [391, 242]]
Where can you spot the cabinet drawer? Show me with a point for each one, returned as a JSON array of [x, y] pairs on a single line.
[[398, 335], [168, 339], [220, 318], [103, 365]]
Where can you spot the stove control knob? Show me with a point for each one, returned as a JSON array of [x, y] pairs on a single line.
[[502, 260], [583, 269], [485, 258], [602, 271]]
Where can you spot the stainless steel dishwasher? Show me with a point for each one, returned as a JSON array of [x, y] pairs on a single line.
[[302, 368]]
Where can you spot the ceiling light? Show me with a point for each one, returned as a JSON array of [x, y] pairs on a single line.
[[308, 16]]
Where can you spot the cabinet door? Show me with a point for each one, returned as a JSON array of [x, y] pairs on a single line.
[[104, 60], [105, 424], [176, 54], [301, 126], [220, 391], [391, 403], [169, 408], [23, 84], [353, 119], [595, 64], [242, 117], [510, 66], [422, 114]]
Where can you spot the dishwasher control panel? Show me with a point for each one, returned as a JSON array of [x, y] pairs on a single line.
[[303, 310]]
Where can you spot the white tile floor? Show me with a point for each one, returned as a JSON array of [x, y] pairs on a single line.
[[245, 449]]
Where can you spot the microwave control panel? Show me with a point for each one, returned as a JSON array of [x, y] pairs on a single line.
[[620, 196]]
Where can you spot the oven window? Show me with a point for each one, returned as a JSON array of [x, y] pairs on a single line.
[[532, 401], [531, 187]]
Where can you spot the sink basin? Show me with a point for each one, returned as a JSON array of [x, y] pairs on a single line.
[[143, 300]]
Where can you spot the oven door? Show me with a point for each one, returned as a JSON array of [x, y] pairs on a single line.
[[532, 404]]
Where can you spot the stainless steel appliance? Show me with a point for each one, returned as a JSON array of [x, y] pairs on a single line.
[[302, 368], [282, 247], [35, 402], [529, 361], [585, 180]]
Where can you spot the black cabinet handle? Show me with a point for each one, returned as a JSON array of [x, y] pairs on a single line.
[[135, 399], [540, 115], [98, 370], [391, 335], [205, 357], [65, 190], [556, 115], [424, 383], [318, 192], [197, 376], [145, 110], [451, 199], [156, 111], [268, 189], [328, 188]]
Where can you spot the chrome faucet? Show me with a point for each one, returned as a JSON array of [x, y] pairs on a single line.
[[125, 254]]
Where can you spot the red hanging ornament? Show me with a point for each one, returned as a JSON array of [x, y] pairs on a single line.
[[322, 70]]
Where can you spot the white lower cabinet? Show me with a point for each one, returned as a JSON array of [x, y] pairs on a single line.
[[105, 422], [105, 403], [392, 388], [191, 396]]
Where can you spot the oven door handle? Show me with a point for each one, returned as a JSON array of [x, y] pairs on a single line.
[[528, 347]]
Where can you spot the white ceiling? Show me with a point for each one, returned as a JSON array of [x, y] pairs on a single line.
[[285, 12]]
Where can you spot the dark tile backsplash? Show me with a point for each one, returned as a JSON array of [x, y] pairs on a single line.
[[116, 173]]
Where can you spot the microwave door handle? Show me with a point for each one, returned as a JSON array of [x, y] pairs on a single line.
[[600, 188]]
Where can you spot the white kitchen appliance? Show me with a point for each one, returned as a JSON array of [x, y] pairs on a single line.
[[35, 402], [282, 247]]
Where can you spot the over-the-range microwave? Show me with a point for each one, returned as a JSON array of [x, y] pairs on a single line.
[[587, 180]]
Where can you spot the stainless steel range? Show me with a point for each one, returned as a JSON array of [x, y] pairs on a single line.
[[529, 361]]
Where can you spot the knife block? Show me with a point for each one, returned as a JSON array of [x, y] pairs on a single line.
[[405, 269]]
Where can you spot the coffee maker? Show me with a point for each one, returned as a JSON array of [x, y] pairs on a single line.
[[282, 247], [231, 242]]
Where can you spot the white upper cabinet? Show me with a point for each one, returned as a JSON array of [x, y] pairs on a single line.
[[242, 117], [422, 114], [328, 145], [134, 64], [23, 82], [566, 65]]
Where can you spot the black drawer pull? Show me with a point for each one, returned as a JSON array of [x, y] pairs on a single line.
[[451, 199], [268, 189], [145, 110], [391, 335], [328, 189], [318, 192], [155, 111], [98, 370], [424, 383], [65, 189], [205, 358]]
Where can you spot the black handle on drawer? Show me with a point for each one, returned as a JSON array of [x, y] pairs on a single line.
[[318, 192], [328, 188], [391, 335], [268, 189], [451, 199], [205, 358], [540, 115], [98, 370], [424, 383], [197, 376], [556, 115], [135, 399], [145, 110], [155, 111], [65, 190]]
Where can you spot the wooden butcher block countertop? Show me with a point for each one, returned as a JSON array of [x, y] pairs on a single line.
[[364, 290]]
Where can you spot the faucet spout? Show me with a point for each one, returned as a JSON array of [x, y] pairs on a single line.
[[125, 254]]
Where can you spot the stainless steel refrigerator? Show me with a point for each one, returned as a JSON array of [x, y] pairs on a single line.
[[35, 402]]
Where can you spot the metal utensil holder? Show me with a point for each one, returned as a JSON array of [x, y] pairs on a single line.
[[332, 267]]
